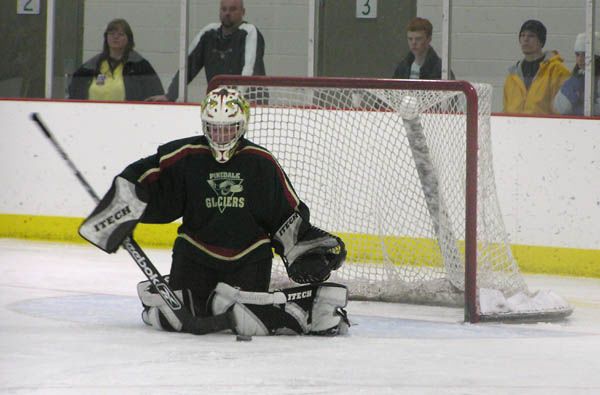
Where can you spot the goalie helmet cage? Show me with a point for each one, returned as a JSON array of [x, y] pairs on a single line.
[[402, 171]]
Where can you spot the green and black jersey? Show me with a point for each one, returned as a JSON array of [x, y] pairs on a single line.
[[229, 210]]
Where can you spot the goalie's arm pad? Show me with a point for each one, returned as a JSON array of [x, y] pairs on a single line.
[[116, 215], [309, 253]]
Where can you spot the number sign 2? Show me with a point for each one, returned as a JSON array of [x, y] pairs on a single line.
[[28, 6]]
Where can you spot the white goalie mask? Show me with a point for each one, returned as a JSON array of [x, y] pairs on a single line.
[[225, 115]]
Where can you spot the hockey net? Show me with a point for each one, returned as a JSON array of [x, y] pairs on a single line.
[[402, 171]]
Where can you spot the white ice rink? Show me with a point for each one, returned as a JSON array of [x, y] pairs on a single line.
[[70, 325]]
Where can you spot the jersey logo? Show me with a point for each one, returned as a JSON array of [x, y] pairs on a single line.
[[225, 185]]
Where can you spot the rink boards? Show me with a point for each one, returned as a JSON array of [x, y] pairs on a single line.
[[544, 169]]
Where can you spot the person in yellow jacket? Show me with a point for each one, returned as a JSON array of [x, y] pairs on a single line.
[[533, 82]]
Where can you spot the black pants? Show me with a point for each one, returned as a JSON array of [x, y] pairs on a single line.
[[188, 272]]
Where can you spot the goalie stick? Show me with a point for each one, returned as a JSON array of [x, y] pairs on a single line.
[[190, 323]]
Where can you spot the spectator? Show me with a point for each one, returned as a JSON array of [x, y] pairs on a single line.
[[569, 100], [118, 73], [232, 47], [533, 82], [422, 62]]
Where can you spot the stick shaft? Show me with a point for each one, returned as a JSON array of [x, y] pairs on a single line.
[[36, 118]]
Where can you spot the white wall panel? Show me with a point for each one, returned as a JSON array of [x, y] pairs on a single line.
[[547, 170]]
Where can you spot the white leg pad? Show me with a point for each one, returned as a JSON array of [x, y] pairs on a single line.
[[154, 304], [311, 309], [325, 314], [247, 323]]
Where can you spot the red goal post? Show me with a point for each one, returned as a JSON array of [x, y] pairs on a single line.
[[442, 245]]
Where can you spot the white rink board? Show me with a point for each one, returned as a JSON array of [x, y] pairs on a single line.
[[546, 169], [340, 158]]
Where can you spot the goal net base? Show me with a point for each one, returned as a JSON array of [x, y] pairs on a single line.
[[494, 305], [542, 305]]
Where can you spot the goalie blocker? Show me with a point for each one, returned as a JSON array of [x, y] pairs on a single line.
[[309, 253], [116, 215], [316, 309]]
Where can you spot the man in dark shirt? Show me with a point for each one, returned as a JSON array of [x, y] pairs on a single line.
[[421, 62], [231, 47]]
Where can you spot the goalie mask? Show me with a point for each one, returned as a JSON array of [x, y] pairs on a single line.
[[225, 115]]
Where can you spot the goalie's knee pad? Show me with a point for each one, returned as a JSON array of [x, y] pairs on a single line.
[[310, 309], [156, 312]]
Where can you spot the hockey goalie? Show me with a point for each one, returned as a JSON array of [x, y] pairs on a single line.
[[236, 204]]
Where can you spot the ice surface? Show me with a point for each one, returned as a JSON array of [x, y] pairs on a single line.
[[70, 325]]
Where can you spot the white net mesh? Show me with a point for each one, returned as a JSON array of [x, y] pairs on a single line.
[[393, 190]]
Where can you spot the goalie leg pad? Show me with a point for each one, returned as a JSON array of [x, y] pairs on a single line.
[[155, 317], [156, 312], [328, 314], [309, 309], [247, 307]]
